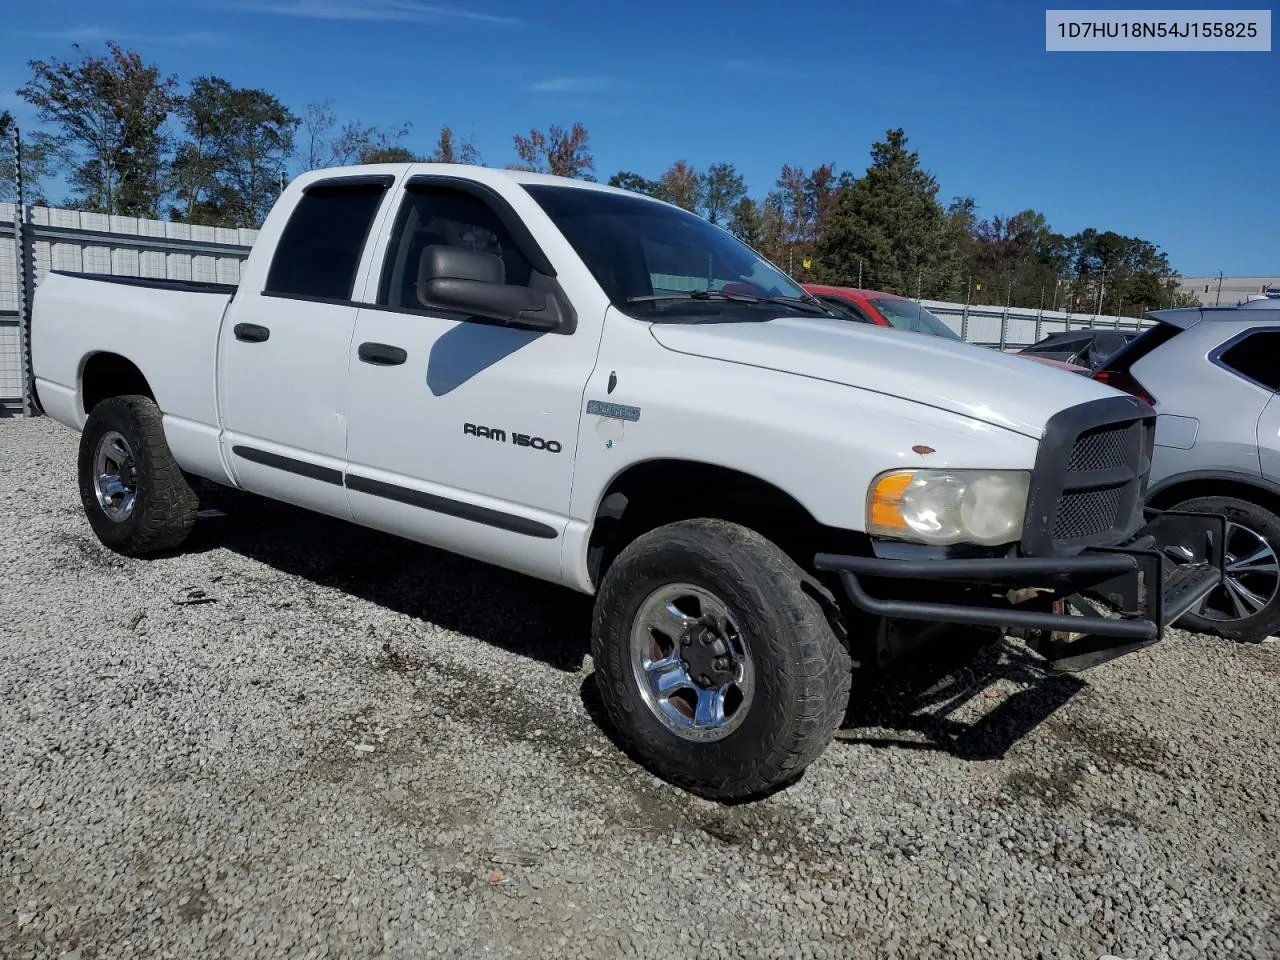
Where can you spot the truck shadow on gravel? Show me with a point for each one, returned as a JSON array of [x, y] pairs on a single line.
[[914, 707], [975, 699], [509, 611]]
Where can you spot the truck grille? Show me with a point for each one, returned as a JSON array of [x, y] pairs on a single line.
[[1086, 514], [1101, 449], [1090, 477]]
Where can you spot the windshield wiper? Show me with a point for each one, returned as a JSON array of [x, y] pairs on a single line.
[[809, 304], [805, 304], [696, 295]]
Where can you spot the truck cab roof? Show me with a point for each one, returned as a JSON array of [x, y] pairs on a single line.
[[469, 171]]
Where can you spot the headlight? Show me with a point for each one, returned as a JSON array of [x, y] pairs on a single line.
[[949, 506]]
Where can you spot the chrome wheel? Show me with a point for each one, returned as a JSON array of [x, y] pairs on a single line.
[[114, 476], [1252, 577], [691, 663]]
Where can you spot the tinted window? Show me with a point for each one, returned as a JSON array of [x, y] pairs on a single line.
[[443, 216], [636, 247], [844, 309], [1257, 357], [319, 250], [908, 315]]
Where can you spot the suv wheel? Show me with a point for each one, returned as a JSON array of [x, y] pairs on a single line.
[[1247, 604]]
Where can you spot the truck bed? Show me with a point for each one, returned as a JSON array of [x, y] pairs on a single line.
[[168, 329]]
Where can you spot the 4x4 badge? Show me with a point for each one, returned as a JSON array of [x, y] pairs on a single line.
[[618, 411]]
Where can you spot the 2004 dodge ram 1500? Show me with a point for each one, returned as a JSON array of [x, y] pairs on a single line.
[[605, 391]]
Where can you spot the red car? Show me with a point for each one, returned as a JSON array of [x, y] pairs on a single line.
[[902, 313]]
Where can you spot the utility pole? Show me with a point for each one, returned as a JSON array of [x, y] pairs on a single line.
[[920, 285], [1218, 297], [964, 317], [1102, 285], [859, 273]]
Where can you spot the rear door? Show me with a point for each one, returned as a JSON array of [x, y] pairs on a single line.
[[1255, 356], [286, 346]]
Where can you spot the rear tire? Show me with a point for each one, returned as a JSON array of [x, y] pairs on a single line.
[[789, 674], [1251, 528], [136, 497]]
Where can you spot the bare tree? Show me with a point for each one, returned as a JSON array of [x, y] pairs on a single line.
[[560, 152], [318, 121], [447, 152], [326, 145]]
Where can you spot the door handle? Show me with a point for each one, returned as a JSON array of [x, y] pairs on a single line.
[[251, 332], [381, 354]]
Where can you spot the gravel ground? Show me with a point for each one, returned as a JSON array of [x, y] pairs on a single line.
[[300, 739]]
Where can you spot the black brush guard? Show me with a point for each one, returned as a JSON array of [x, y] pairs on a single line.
[[1137, 582]]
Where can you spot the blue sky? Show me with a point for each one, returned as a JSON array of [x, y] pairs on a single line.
[[1180, 148]]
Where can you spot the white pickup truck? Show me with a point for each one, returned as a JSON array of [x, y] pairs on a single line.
[[607, 392]]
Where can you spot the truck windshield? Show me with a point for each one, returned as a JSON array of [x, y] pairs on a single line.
[[909, 315], [662, 263]]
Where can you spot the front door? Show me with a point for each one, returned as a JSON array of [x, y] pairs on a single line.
[[463, 432]]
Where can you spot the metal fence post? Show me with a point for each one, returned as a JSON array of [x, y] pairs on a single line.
[[23, 260], [1004, 319]]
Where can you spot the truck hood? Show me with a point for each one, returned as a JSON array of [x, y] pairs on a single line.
[[996, 388]]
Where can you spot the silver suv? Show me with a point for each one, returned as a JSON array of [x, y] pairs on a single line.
[[1213, 376]]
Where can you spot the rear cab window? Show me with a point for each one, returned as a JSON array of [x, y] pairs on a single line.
[[319, 250]]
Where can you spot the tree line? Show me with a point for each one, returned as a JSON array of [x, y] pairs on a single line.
[[886, 229], [128, 139]]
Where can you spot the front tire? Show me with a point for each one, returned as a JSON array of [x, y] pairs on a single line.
[[136, 497], [1246, 606], [716, 661]]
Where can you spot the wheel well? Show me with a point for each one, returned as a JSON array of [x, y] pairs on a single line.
[[658, 492], [109, 375], [1216, 487]]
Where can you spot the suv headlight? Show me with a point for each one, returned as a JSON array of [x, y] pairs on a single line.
[[949, 506]]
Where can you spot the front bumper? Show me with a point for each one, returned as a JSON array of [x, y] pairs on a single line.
[[1143, 590]]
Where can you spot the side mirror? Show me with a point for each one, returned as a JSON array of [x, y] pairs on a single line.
[[496, 301], [473, 283]]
